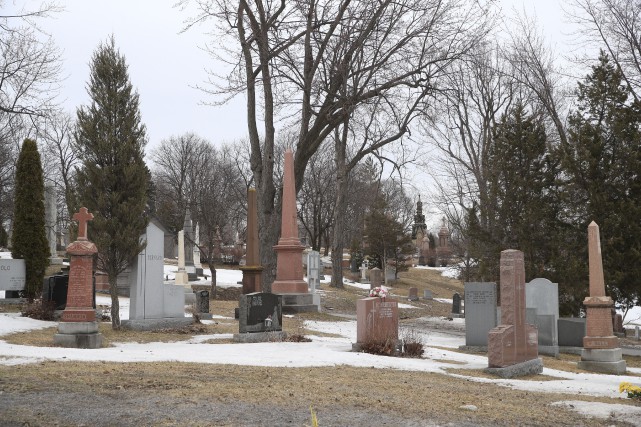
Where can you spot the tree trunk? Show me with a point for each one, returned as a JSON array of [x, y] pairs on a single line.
[[115, 303], [339, 214], [269, 231], [213, 280]]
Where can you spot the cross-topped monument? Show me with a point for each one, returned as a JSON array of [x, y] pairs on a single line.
[[82, 216]]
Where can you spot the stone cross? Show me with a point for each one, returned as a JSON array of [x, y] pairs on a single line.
[[363, 269], [82, 216]]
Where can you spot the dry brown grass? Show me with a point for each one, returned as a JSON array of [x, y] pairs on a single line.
[[441, 287], [10, 308], [409, 393]]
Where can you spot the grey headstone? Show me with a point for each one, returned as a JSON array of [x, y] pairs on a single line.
[[480, 312], [456, 303], [427, 294], [390, 274], [150, 297], [260, 312], [542, 303], [13, 274], [413, 294], [313, 270], [571, 331]]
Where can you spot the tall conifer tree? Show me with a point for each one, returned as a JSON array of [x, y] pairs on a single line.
[[114, 180], [29, 240], [603, 163]]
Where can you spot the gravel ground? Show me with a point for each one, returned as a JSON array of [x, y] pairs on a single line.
[[127, 408]]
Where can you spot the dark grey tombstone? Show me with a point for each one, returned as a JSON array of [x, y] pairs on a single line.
[[427, 294], [260, 312], [571, 331], [353, 266], [480, 312], [202, 304], [542, 301], [413, 294], [456, 303]]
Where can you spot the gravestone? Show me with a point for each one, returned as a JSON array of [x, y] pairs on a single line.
[[260, 318], [202, 304], [13, 274], [457, 310], [51, 224], [542, 304], [571, 332], [363, 270], [390, 274], [427, 294], [313, 276], [601, 352], [376, 320], [313, 270], [480, 312], [413, 294], [78, 327], [197, 265], [376, 278], [189, 247], [513, 345], [181, 277], [252, 270], [154, 304]]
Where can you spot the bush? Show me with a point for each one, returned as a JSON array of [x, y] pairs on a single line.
[[381, 347], [412, 344], [39, 310]]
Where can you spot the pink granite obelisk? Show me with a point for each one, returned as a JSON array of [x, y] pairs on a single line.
[[289, 264], [600, 346], [78, 326], [252, 270]]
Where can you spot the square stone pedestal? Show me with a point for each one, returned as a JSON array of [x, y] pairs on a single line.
[[605, 361], [78, 335]]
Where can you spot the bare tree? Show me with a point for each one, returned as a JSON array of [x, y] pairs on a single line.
[[313, 63], [180, 162], [615, 25]]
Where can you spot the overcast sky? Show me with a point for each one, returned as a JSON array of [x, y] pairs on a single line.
[[165, 64]]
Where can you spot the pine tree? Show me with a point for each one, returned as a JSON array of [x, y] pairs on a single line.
[[603, 160], [29, 241], [114, 180], [522, 192]]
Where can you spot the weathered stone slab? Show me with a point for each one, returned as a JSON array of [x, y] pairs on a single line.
[[480, 312], [12, 274], [571, 331]]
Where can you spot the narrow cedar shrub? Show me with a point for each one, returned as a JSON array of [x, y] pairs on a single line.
[[29, 240]]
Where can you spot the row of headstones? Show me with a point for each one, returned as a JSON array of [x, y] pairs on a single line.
[[542, 310]]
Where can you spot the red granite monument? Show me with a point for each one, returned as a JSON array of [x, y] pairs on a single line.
[[376, 320], [513, 345], [78, 327], [252, 269], [601, 352], [289, 250]]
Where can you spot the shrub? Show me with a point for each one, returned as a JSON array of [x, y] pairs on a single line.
[[381, 347], [39, 310], [412, 344]]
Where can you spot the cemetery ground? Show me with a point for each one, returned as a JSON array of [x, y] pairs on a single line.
[[198, 376]]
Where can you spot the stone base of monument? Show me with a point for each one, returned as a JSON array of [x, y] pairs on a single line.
[[604, 361], [78, 335], [457, 315], [181, 278], [549, 350], [251, 337], [300, 303], [155, 324], [190, 296], [529, 367]]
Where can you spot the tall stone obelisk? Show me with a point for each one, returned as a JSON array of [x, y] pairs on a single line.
[[289, 250], [252, 270], [601, 352]]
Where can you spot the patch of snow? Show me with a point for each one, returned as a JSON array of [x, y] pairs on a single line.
[[604, 411]]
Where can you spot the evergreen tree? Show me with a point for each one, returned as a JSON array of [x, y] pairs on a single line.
[[113, 181], [4, 237], [29, 241], [522, 197], [386, 238], [603, 163]]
